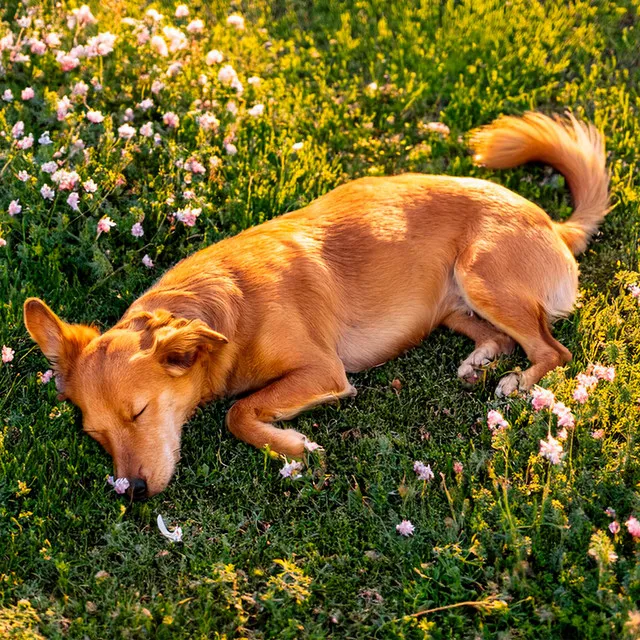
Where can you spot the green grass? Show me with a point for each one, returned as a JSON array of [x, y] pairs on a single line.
[[320, 557]]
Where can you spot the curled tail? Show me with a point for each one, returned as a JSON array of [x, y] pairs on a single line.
[[572, 147]]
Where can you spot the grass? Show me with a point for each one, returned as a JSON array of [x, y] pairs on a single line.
[[500, 549]]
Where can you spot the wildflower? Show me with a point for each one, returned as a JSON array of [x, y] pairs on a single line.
[[296, 146], [227, 74], [195, 26], [174, 536], [580, 394], [27, 93], [598, 434], [177, 39], [100, 45], [423, 471], [551, 449], [458, 467], [182, 11], [45, 377], [438, 127], [66, 61], [614, 527], [159, 45], [105, 224], [25, 143], [256, 111], [495, 420], [66, 180], [154, 15], [405, 528], [311, 446], [146, 130], [23, 22], [372, 86], [232, 107], [14, 207], [63, 108], [604, 373], [38, 47], [90, 186], [95, 116], [632, 523], [3, 242], [47, 192], [563, 434], [128, 115], [634, 290], [17, 131], [254, 81], [146, 104], [73, 200], [7, 96], [188, 216], [207, 121], [81, 17], [565, 417], [49, 167], [23, 176], [231, 148], [7, 354], [126, 131], [156, 87], [120, 485], [171, 119], [602, 549], [214, 57], [237, 86], [610, 512], [80, 89], [542, 398], [147, 262], [137, 231], [52, 40], [291, 469], [44, 139], [587, 381], [236, 20]]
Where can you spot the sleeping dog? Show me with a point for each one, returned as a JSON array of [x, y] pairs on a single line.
[[281, 312]]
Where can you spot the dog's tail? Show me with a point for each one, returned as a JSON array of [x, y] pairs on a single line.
[[572, 147]]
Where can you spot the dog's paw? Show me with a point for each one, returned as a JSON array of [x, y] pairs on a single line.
[[508, 385], [468, 374]]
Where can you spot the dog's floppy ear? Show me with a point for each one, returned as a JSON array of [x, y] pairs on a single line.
[[60, 342], [178, 345]]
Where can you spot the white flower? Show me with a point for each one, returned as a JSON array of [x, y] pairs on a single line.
[[7, 96], [146, 104], [311, 446], [159, 45], [291, 469], [90, 186], [49, 167], [23, 176], [174, 536], [44, 139], [94, 116], [227, 74], [146, 130], [120, 485], [297, 146], [208, 121], [214, 57], [126, 131], [47, 192], [182, 11], [256, 111], [236, 20], [231, 148], [254, 81], [104, 225], [195, 26], [405, 528], [551, 449]]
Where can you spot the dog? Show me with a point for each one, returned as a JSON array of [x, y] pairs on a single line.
[[281, 312]]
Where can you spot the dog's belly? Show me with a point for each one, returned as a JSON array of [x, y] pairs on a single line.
[[368, 344]]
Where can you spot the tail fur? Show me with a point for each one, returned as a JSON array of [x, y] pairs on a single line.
[[574, 148]]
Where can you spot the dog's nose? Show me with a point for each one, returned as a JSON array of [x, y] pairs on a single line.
[[138, 488]]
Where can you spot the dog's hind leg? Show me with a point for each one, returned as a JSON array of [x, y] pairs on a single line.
[[516, 311], [251, 419], [490, 343]]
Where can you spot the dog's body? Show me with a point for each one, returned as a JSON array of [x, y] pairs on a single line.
[[284, 309]]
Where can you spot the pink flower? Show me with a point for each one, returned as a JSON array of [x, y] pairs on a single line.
[[126, 131], [563, 434], [147, 262], [194, 166], [63, 108], [47, 192], [438, 127], [66, 61], [100, 45], [188, 216], [146, 130], [231, 148], [598, 434], [95, 116], [237, 21], [182, 11], [405, 528], [90, 186], [38, 48], [551, 449], [156, 87], [105, 224], [423, 471], [3, 243], [208, 121], [214, 57], [27, 93], [7, 354], [610, 512], [137, 231], [45, 377], [580, 395], [587, 381], [159, 45], [66, 180], [120, 485], [634, 290], [81, 17], [565, 417], [177, 39], [14, 207], [195, 26], [17, 131], [146, 104], [542, 398], [458, 468], [614, 527], [311, 446], [604, 373], [52, 40], [171, 119], [73, 200], [23, 176], [25, 143], [291, 470], [633, 526], [495, 420]]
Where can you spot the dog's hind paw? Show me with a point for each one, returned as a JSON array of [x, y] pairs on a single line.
[[508, 385]]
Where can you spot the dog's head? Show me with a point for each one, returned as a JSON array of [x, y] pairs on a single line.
[[136, 384]]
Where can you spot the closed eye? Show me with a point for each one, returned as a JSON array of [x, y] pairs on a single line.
[[139, 414]]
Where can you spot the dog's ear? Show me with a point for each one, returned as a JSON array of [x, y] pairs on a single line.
[[60, 342], [178, 345]]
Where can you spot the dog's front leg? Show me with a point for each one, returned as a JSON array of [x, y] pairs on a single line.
[[251, 419]]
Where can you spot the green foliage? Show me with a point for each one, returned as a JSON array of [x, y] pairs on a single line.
[[513, 546]]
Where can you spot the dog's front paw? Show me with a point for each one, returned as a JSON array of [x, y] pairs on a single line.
[[508, 385]]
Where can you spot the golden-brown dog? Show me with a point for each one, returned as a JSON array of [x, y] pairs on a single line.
[[368, 270]]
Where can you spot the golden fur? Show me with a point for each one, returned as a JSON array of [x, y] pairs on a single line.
[[282, 311]]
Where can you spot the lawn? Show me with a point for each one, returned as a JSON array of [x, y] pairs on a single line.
[[153, 129]]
